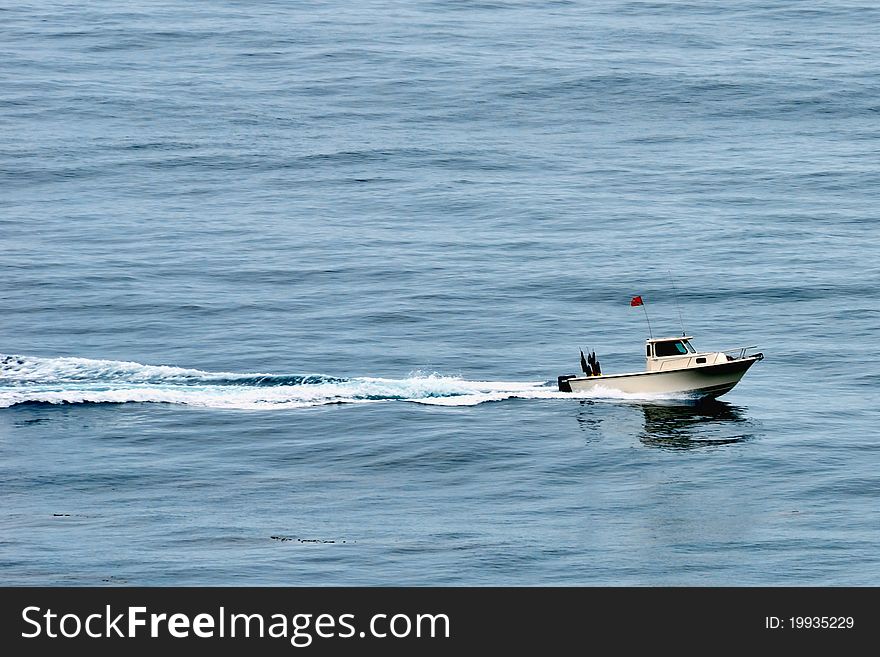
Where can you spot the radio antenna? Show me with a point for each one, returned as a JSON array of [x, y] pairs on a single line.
[[675, 296]]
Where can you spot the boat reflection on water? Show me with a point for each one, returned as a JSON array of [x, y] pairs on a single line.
[[678, 426], [703, 424]]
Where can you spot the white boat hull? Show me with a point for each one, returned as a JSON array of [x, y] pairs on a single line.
[[703, 381]]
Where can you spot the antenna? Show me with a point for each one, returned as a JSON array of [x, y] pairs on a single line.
[[675, 295]]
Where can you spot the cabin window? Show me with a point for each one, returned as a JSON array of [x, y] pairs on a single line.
[[648, 351], [690, 347], [675, 348], [701, 360]]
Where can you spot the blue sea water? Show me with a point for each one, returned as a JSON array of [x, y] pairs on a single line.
[[286, 288]]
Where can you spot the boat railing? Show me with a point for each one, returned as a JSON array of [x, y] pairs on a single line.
[[742, 351]]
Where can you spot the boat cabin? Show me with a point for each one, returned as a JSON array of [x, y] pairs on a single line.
[[677, 353]]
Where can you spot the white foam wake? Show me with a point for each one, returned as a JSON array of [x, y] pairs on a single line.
[[26, 379], [25, 369]]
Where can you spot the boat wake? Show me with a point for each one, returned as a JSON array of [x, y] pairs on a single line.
[[33, 380]]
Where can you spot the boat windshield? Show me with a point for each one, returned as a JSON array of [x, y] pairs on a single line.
[[690, 347], [671, 348]]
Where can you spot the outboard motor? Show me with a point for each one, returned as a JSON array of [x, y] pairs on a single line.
[[564, 385]]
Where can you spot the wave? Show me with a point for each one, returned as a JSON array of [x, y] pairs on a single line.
[[33, 380]]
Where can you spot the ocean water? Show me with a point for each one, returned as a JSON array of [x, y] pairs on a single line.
[[287, 286]]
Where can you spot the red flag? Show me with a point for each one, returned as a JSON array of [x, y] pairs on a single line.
[[636, 301]]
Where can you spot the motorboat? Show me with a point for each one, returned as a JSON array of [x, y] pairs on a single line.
[[673, 367]]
